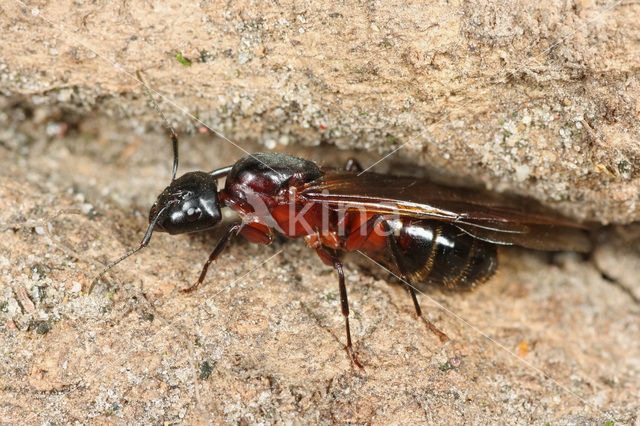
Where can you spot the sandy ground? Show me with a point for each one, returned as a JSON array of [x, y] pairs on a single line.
[[536, 100]]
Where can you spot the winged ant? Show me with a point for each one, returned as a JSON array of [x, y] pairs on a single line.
[[421, 231]]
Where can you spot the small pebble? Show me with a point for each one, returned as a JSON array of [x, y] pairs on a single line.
[[86, 208], [522, 172]]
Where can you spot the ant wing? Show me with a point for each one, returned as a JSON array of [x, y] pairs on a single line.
[[539, 237], [488, 216]]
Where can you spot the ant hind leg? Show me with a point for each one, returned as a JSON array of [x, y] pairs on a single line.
[[443, 337], [395, 250]]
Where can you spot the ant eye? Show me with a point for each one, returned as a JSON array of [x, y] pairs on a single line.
[[182, 195], [193, 214]]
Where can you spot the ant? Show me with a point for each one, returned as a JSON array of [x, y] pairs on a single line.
[[422, 231]]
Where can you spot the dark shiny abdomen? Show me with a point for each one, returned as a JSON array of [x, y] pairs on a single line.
[[438, 253]]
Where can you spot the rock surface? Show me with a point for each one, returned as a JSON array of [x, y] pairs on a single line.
[[536, 99]]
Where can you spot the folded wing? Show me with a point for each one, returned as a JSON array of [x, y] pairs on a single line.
[[488, 216]]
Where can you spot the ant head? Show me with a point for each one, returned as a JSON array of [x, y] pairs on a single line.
[[189, 204]]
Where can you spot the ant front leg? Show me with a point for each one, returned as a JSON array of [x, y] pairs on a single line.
[[232, 232], [329, 259], [353, 165], [254, 232], [395, 250]]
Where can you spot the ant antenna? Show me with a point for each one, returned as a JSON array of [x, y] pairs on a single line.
[[172, 133], [143, 244]]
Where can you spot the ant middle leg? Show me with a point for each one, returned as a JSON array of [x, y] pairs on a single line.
[[353, 165], [344, 301], [395, 250], [345, 312]]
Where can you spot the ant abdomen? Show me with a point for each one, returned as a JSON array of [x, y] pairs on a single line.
[[435, 252]]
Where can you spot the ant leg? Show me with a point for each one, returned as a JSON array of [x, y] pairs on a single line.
[[443, 337], [324, 255], [395, 250], [353, 165], [345, 312], [214, 254]]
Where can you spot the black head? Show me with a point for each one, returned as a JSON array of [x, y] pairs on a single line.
[[189, 204]]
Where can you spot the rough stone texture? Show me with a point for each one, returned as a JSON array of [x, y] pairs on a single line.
[[537, 97], [540, 99]]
